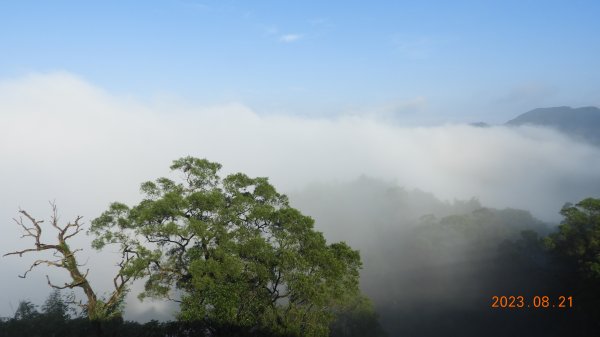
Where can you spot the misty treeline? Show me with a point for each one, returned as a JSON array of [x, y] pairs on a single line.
[[431, 267], [225, 250]]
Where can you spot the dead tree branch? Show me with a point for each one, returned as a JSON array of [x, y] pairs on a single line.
[[66, 259]]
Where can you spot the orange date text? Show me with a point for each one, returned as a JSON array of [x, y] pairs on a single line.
[[536, 302]]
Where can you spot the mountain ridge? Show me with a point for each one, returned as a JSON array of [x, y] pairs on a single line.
[[581, 123]]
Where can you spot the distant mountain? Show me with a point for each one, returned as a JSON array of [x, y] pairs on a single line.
[[580, 123]]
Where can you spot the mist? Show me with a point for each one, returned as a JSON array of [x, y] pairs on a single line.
[[67, 140], [428, 260]]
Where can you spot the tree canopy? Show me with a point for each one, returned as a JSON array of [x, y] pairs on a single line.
[[232, 251], [576, 246], [578, 237]]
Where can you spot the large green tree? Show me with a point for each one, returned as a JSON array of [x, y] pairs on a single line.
[[232, 251]]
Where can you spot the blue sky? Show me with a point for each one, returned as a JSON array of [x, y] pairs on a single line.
[[426, 62]]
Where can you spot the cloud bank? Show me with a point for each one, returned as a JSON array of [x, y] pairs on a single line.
[[67, 140]]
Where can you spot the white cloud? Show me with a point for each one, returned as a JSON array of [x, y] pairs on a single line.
[[65, 139], [68, 131], [287, 38]]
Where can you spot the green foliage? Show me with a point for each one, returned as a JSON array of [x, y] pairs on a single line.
[[235, 250], [470, 236], [55, 307], [578, 237], [576, 247], [356, 319], [26, 310], [44, 326], [104, 312]]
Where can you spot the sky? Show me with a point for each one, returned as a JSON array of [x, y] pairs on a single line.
[[97, 98], [418, 62]]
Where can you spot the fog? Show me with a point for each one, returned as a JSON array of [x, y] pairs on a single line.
[[67, 140], [427, 260]]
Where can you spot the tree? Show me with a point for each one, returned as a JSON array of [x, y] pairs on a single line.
[[25, 322], [26, 311], [234, 250], [97, 309], [576, 245], [55, 307], [54, 320], [356, 319], [578, 237]]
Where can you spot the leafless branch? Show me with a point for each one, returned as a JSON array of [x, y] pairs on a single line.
[[38, 262], [67, 259]]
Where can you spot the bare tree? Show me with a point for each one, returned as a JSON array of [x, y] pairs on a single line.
[[95, 308]]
